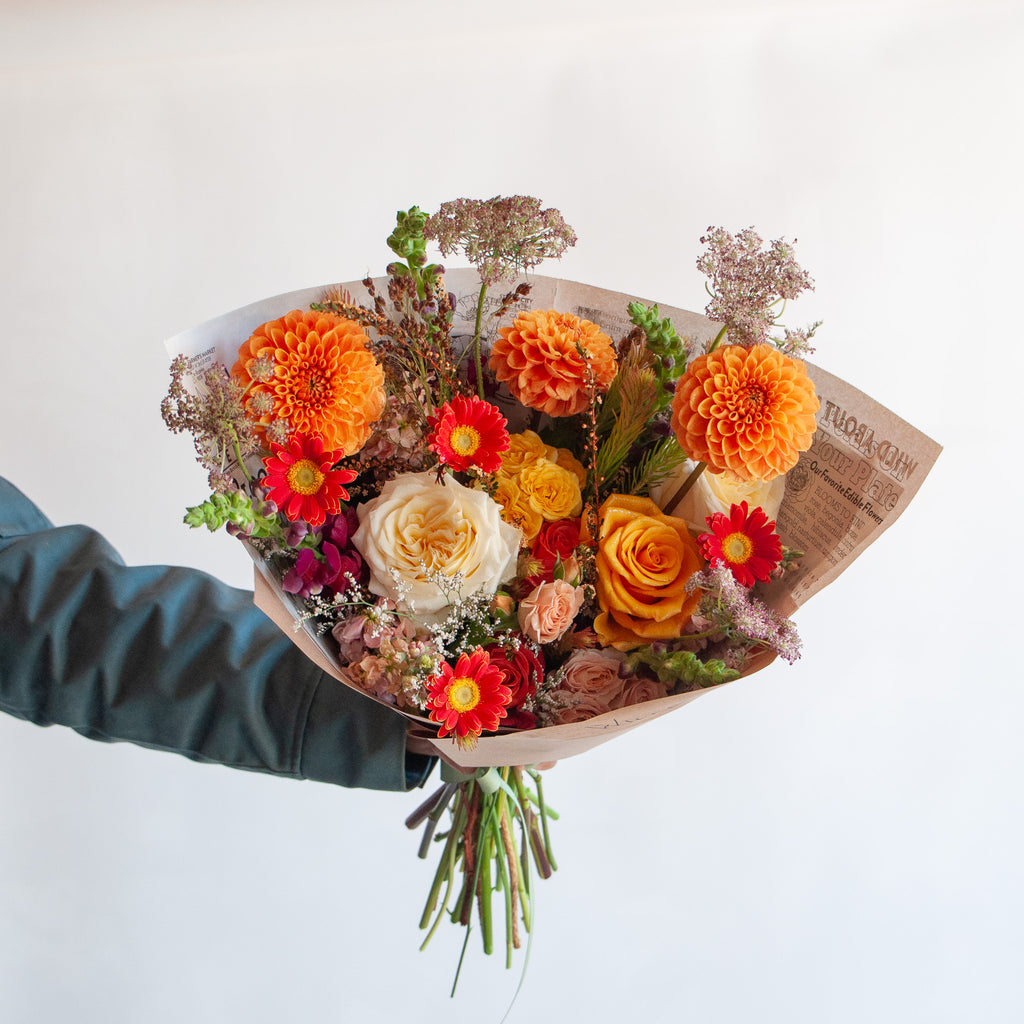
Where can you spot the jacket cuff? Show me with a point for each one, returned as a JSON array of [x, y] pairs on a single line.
[[351, 740]]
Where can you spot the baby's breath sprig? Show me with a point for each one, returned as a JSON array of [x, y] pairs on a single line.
[[469, 623]]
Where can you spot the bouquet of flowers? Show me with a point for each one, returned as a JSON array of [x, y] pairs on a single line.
[[529, 514]]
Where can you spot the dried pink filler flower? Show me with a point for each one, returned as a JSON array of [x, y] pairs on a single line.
[[216, 419], [502, 236], [746, 283]]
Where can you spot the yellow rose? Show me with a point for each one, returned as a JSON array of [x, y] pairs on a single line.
[[553, 491], [566, 459], [644, 559], [516, 508], [524, 449]]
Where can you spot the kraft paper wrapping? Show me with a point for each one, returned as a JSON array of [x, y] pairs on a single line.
[[861, 471]]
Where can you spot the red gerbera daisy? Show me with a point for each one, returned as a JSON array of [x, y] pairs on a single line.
[[301, 481], [747, 544], [468, 432], [468, 699]]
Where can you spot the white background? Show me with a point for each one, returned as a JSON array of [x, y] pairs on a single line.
[[839, 841]]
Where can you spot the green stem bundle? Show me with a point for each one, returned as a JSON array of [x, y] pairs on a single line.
[[480, 856]]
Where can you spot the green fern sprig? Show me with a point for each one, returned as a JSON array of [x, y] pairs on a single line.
[[656, 466], [636, 399]]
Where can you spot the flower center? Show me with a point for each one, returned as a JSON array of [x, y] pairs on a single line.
[[737, 548], [313, 386], [463, 694], [753, 401], [465, 440], [304, 477]]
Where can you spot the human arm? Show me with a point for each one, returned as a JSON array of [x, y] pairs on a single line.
[[173, 659]]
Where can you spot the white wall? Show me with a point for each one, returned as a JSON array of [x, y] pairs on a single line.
[[834, 842]]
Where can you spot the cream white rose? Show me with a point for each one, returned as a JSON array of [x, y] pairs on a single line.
[[417, 528], [717, 492]]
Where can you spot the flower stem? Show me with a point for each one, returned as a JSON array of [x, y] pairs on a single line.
[[676, 498], [444, 871], [476, 340], [544, 821], [718, 339], [459, 816], [485, 890], [238, 454]]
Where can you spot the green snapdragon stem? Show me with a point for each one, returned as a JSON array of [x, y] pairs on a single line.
[[525, 896], [506, 885], [486, 924]]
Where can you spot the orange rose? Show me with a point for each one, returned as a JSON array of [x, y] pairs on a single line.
[[644, 559]]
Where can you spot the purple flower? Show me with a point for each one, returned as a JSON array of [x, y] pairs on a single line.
[[339, 529], [295, 533], [336, 561], [305, 577]]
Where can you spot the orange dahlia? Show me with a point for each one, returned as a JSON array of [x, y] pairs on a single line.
[[749, 412], [314, 372], [468, 698], [548, 359]]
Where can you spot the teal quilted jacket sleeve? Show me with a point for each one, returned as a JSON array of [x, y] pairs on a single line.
[[173, 659]]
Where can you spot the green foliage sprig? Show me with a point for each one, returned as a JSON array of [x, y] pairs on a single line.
[[658, 463], [672, 667], [235, 508], [668, 349], [633, 398]]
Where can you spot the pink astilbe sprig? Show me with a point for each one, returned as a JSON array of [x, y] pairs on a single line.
[[747, 282], [728, 608]]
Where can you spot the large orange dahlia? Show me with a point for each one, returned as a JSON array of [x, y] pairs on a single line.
[[540, 359], [749, 412], [315, 372]]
